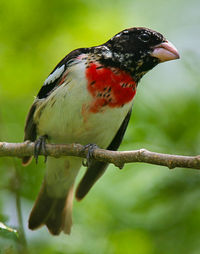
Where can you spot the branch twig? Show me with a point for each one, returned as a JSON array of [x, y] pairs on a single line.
[[116, 157]]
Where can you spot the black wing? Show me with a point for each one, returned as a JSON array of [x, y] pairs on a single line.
[[97, 168], [49, 85], [29, 131], [56, 75]]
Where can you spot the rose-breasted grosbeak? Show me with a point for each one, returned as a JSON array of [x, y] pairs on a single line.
[[87, 99]]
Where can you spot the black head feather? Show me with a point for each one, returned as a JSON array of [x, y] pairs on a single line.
[[131, 50], [135, 39]]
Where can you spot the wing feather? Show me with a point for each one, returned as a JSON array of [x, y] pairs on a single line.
[[50, 84], [97, 168], [29, 132], [56, 75]]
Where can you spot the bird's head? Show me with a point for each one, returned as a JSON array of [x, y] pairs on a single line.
[[137, 50]]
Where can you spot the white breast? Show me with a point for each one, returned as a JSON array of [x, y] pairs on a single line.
[[62, 117]]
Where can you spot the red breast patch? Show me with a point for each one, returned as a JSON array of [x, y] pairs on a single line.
[[110, 87]]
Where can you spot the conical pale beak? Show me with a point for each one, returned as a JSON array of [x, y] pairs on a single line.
[[165, 51]]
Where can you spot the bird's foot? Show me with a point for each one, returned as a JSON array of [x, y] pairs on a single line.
[[90, 148], [40, 144]]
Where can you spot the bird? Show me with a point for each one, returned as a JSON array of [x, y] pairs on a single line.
[[87, 99]]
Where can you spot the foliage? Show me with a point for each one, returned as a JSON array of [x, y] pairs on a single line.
[[142, 209]]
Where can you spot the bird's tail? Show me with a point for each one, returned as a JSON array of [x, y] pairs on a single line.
[[51, 208], [55, 213]]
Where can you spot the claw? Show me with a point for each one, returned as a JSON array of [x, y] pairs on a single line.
[[40, 144], [90, 148]]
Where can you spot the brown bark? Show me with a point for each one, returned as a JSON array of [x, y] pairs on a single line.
[[119, 158]]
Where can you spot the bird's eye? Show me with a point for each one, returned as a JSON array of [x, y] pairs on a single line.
[[144, 37]]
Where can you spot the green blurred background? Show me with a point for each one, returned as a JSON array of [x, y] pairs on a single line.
[[142, 209]]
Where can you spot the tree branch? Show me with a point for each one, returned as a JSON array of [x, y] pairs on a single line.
[[116, 157]]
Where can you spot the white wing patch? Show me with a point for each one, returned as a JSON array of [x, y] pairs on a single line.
[[56, 74]]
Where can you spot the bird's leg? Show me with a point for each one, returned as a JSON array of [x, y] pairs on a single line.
[[90, 148], [40, 144]]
